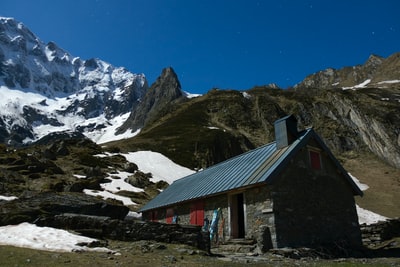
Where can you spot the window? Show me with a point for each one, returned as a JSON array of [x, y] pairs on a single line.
[[315, 160]]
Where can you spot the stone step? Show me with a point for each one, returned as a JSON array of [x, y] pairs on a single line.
[[235, 246]]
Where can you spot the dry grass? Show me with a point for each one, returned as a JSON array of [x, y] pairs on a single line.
[[145, 253], [383, 195]]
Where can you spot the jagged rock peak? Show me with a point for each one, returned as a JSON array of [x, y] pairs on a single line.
[[168, 81], [165, 91], [374, 61]]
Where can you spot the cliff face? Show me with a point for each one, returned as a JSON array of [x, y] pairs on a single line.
[[376, 72], [162, 94]]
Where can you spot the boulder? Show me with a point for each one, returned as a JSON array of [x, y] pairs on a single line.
[[139, 179], [46, 205]]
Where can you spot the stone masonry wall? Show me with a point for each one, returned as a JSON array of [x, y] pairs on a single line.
[[375, 234], [314, 207], [260, 217], [104, 227]]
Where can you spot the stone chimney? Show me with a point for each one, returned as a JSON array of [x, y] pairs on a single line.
[[285, 131]]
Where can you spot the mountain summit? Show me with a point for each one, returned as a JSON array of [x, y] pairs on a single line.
[[164, 92], [45, 89], [375, 72]]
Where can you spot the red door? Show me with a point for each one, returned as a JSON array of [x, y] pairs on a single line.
[[197, 213], [169, 215], [154, 216]]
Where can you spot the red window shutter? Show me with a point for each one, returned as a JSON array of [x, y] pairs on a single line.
[[169, 215], [315, 160]]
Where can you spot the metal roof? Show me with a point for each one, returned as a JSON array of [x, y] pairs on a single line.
[[256, 166]]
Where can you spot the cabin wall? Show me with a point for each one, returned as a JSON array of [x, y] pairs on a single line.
[[314, 207], [260, 219], [183, 212]]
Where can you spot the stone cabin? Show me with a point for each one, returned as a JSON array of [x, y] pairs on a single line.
[[290, 193]]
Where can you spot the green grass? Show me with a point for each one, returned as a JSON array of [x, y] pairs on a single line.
[[144, 253]]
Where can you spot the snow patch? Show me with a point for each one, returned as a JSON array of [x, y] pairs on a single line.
[[190, 95], [361, 85], [368, 217], [80, 176], [391, 81], [161, 167], [246, 95], [213, 128], [44, 238], [8, 198], [108, 195], [118, 183]]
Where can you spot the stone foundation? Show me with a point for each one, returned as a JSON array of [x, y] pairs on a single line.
[[375, 234], [104, 227]]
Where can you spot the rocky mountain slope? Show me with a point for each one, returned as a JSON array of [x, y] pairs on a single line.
[[376, 72], [45, 89], [360, 123]]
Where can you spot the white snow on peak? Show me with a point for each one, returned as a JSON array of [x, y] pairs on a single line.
[[190, 95], [246, 95], [12, 103], [358, 86], [389, 82]]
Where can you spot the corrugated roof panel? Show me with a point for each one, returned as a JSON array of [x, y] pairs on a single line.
[[249, 168]]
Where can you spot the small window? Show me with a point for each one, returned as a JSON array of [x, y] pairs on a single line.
[[315, 160]]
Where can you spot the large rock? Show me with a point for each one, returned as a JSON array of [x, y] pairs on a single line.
[[33, 208]]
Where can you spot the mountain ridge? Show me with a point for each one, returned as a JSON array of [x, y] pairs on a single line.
[[60, 86], [375, 72]]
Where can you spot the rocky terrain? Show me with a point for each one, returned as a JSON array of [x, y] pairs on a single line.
[[49, 180]]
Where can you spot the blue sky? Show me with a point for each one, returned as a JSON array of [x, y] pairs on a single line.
[[218, 43]]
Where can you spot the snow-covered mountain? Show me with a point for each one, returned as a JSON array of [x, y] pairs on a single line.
[[44, 89]]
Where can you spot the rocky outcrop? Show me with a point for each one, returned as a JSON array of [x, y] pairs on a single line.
[[44, 205], [374, 72], [375, 131], [162, 94]]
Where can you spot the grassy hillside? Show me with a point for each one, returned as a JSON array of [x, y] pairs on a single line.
[[355, 125]]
